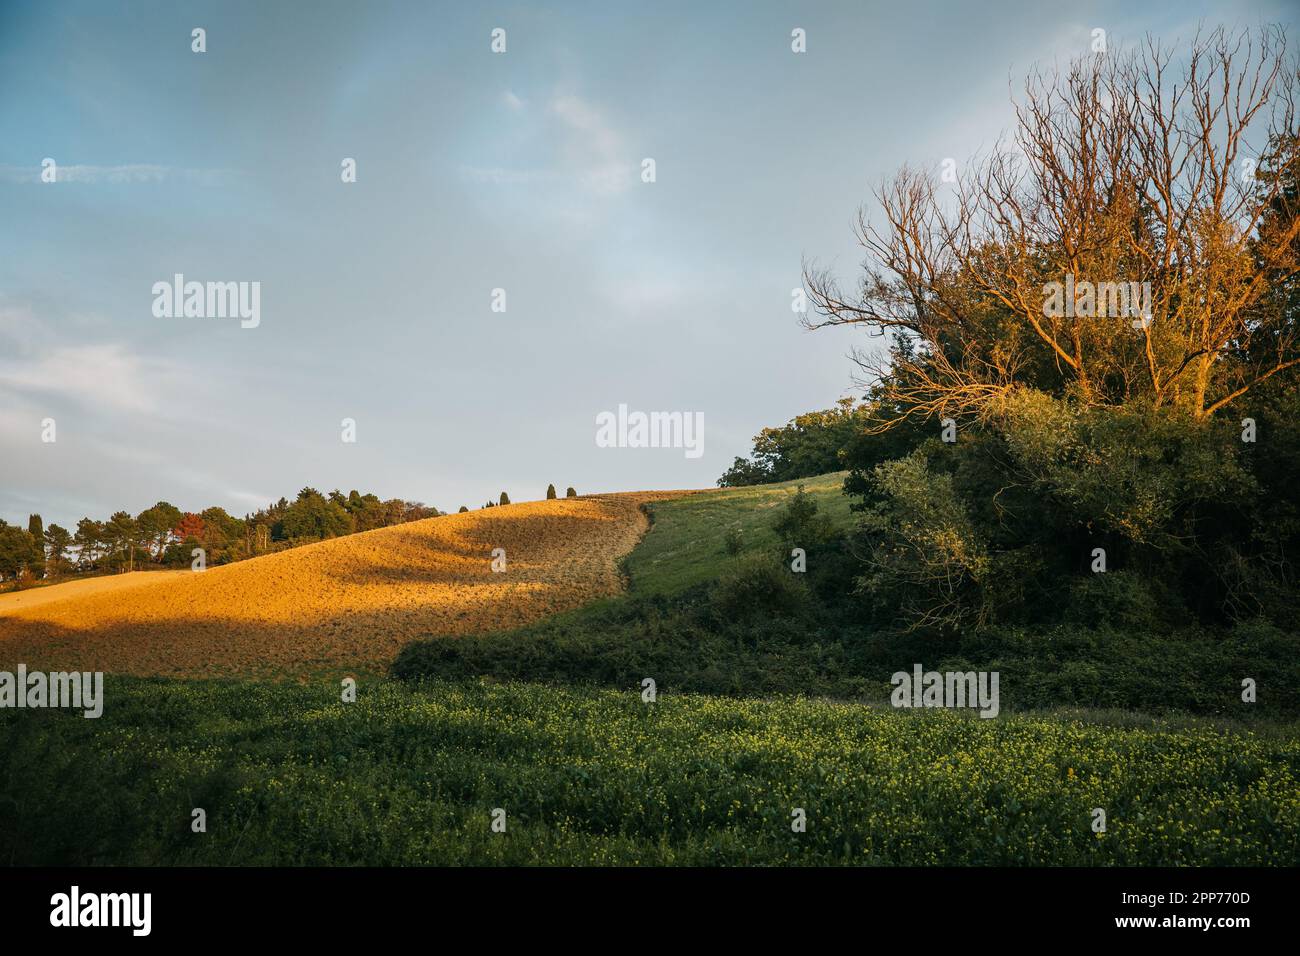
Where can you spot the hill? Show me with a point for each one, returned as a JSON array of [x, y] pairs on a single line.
[[343, 604], [688, 547]]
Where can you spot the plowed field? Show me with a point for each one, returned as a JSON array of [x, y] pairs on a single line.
[[345, 604]]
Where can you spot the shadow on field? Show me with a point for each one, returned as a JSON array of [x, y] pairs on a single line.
[[347, 603]]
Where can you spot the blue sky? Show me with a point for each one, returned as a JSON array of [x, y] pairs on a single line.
[[475, 171]]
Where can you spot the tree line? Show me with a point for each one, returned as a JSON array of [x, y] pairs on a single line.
[[164, 535]]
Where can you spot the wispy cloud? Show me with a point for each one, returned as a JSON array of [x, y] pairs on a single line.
[[131, 173], [593, 150], [18, 325], [585, 148], [108, 375], [36, 367], [504, 177]]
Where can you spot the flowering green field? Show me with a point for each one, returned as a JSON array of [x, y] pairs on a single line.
[[411, 775]]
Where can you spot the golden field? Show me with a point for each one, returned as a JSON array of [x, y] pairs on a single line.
[[347, 604]]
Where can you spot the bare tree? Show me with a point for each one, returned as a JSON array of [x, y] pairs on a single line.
[[1168, 191]]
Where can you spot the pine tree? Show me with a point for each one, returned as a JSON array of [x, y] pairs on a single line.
[[550, 492], [58, 541], [505, 498], [123, 532], [36, 528]]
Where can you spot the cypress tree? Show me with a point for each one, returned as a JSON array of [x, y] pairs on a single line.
[[36, 528]]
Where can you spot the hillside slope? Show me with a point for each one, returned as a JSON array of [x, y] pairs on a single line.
[[345, 604], [688, 547]]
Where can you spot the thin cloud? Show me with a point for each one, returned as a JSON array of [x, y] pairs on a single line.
[[115, 175], [593, 150], [106, 375], [586, 149], [498, 176]]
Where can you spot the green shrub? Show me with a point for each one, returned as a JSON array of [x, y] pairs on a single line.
[[926, 561], [1118, 599], [799, 525], [758, 586]]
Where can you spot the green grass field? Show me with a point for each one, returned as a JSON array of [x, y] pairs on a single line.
[[548, 725], [290, 775]]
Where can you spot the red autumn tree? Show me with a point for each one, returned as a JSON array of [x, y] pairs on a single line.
[[191, 526]]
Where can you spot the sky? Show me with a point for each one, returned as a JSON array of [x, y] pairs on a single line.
[[475, 171]]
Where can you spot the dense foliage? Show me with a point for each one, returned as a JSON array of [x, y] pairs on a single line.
[[1046, 512], [807, 445]]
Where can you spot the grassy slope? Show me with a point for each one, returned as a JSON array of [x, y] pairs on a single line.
[[687, 543], [410, 774], [658, 627]]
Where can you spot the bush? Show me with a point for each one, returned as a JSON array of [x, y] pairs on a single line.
[[1000, 527], [570, 493], [1119, 599], [926, 562], [733, 540], [757, 586], [800, 526], [550, 492]]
